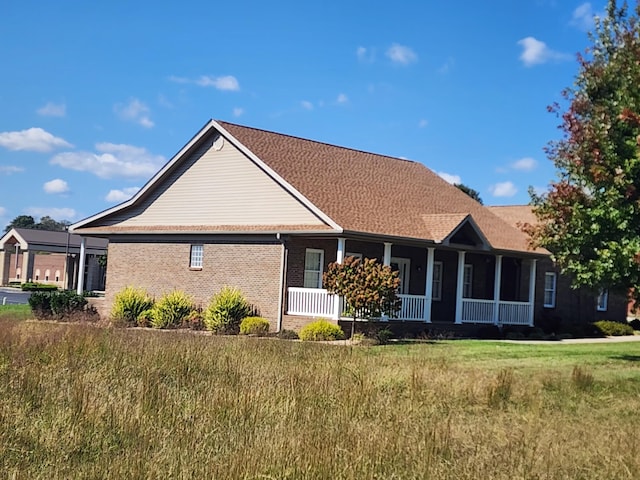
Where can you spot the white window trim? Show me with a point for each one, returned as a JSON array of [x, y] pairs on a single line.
[[602, 302], [553, 289], [467, 286], [436, 294], [319, 272], [196, 261]]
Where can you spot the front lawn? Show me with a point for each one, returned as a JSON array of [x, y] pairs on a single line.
[[78, 401]]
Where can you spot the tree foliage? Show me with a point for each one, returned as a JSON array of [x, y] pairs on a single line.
[[470, 191], [368, 288], [590, 217], [45, 223]]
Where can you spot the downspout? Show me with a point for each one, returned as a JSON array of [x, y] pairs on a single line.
[[283, 275]]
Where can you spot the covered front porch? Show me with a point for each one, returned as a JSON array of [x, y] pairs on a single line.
[[438, 283]]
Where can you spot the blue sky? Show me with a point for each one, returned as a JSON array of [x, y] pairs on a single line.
[[96, 96]]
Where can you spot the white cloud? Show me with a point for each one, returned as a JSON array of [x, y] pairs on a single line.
[[55, 213], [121, 195], [423, 123], [535, 52], [51, 109], [56, 186], [342, 99], [583, 17], [228, 82], [307, 105], [135, 111], [3, 211], [401, 55], [238, 111], [176, 79], [503, 189], [366, 55], [452, 179], [112, 161], [525, 164], [32, 140], [9, 169], [447, 66]]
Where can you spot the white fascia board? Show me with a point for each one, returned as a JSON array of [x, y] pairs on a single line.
[[12, 233], [211, 125], [468, 219]]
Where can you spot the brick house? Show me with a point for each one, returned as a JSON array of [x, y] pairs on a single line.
[[267, 213]]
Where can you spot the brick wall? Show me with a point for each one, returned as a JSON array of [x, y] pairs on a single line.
[[254, 268]]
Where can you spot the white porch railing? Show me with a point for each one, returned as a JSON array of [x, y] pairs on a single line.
[[313, 302], [316, 302], [482, 311]]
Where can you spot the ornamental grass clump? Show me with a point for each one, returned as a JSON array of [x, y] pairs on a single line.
[[321, 330], [226, 310], [171, 309], [613, 329], [257, 326], [129, 304]]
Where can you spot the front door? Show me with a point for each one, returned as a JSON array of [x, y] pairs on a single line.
[[403, 267]]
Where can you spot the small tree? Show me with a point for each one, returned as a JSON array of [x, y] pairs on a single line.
[[470, 191], [369, 289]]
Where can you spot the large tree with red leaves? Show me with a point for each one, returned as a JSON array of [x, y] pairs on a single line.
[[590, 218]]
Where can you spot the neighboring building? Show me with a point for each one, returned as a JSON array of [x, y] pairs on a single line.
[[558, 300], [266, 212], [29, 255]]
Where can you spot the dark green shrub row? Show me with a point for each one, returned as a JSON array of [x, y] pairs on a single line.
[[37, 287], [635, 324], [613, 329], [56, 305]]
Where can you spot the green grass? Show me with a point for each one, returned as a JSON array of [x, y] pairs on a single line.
[[15, 312], [78, 401]]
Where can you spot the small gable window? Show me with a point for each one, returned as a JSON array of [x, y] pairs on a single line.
[[313, 263], [603, 300], [196, 256], [550, 290]]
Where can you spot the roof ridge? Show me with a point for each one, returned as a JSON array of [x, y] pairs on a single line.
[[390, 157]]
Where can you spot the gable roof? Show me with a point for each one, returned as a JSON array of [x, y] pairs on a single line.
[[29, 238], [353, 191]]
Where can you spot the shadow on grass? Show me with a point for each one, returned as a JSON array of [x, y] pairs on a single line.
[[628, 358]]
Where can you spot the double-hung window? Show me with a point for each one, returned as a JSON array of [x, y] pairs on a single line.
[[313, 264], [550, 289], [437, 281], [196, 256], [467, 286], [603, 300]]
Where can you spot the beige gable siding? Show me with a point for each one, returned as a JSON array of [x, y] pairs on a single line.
[[217, 186]]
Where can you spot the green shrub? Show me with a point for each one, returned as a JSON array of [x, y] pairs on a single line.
[[58, 305], [37, 287], [144, 319], [254, 326], [288, 334], [194, 321], [171, 309], [383, 336], [129, 303], [226, 310], [635, 324], [321, 330], [613, 329]]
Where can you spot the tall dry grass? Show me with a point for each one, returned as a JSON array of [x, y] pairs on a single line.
[[84, 402]]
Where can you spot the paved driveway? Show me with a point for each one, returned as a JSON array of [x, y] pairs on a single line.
[[13, 296]]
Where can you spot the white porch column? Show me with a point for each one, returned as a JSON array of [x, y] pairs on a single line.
[[532, 290], [27, 267], [428, 293], [460, 286], [340, 260], [386, 258], [497, 283], [83, 248]]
